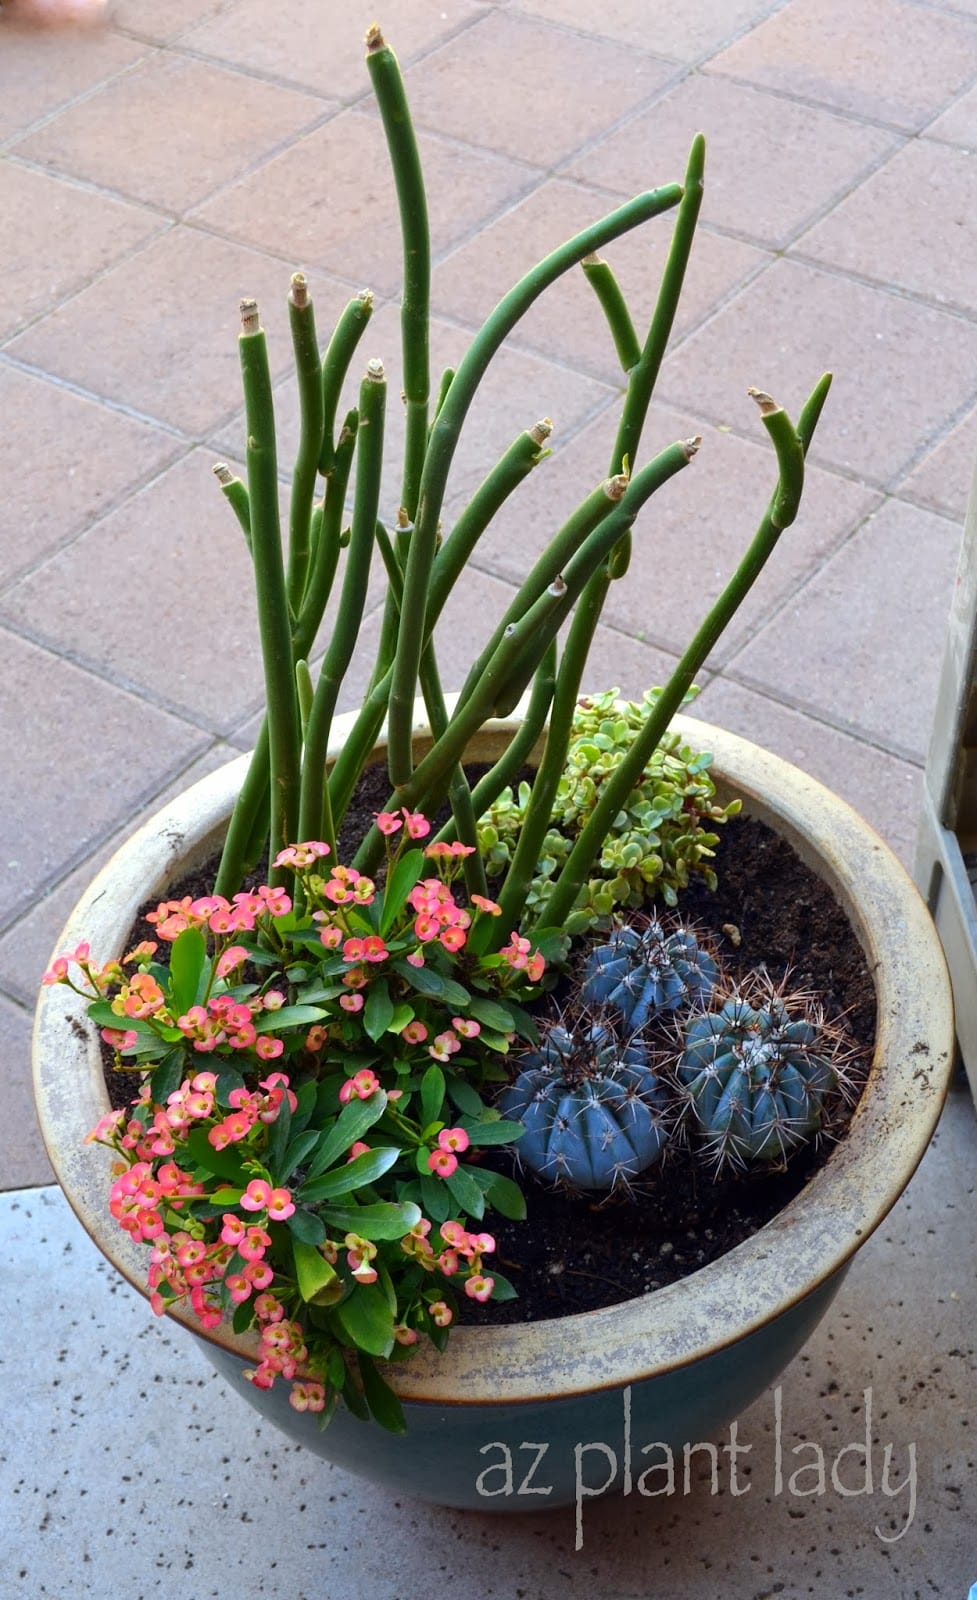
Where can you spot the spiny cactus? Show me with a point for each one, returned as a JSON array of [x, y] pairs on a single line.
[[592, 1108], [645, 971], [755, 1073]]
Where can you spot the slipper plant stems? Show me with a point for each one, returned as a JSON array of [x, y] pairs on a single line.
[[790, 445]]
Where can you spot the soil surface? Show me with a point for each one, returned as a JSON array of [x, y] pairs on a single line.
[[582, 1252]]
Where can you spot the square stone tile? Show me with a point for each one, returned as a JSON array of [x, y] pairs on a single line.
[[40, 71], [330, 202], [566, 322], [861, 645], [57, 237], [771, 164], [322, 47], [485, 87], [181, 622], [80, 756], [172, 130], [148, 20], [23, 1159], [683, 32], [517, 390], [27, 947], [886, 791], [160, 335], [911, 225], [943, 478], [63, 460], [902, 370], [866, 59], [684, 547]]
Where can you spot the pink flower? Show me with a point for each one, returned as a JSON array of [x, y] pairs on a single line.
[[417, 826], [388, 821], [257, 1195], [307, 1396], [405, 1335], [414, 1032], [453, 938], [301, 855], [351, 1002], [440, 1313], [234, 956], [358, 1149], [361, 1085], [441, 1162], [489, 906], [467, 1027], [479, 1288], [372, 948], [280, 1205], [268, 1048], [453, 1139], [119, 1038], [277, 902]]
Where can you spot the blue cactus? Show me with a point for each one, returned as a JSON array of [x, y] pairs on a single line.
[[592, 1108], [647, 972], [756, 1076]]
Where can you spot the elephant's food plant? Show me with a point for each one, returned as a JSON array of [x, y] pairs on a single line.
[[319, 1054]]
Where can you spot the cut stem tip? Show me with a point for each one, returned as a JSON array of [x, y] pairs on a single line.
[[250, 320], [763, 400]]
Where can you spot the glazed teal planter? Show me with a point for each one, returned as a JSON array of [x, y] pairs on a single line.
[[539, 1414]]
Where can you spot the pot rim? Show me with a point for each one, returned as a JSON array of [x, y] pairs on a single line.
[[813, 1238]]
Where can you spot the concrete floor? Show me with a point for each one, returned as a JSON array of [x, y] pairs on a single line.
[[155, 170]]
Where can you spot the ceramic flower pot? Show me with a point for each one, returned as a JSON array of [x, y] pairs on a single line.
[[522, 1417]]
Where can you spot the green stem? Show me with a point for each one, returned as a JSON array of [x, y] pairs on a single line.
[[273, 618], [315, 809], [525, 452], [459, 790], [325, 556], [336, 362], [443, 442], [585, 566], [539, 812], [306, 349], [547, 570], [614, 306], [520, 747], [619, 784], [388, 86], [644, 375], [238, 851], [236, 495]]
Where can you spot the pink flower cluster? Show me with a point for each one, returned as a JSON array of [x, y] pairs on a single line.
[[459, 1251], [220, 915], [224, 1020]]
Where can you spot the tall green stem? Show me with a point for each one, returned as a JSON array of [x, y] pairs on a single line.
[[388, 86], [315, 812], [269, 569], [619, 784], [305, 346], [443, 442]]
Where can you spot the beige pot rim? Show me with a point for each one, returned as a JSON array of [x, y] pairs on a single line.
[[806, 1244]]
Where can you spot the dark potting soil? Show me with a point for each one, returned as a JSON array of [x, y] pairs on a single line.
[[580, 1252]]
